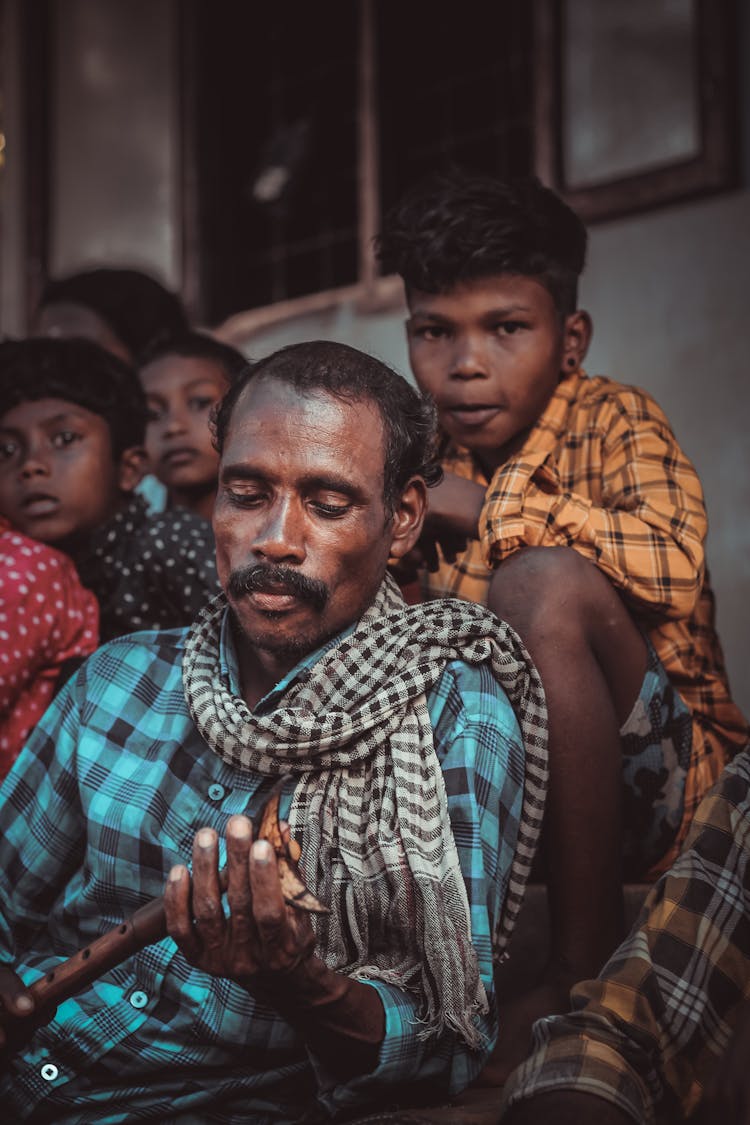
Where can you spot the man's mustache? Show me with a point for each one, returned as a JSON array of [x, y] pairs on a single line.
[[264, 579]]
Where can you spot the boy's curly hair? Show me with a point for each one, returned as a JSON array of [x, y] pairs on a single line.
[[456, 226], [76, 371]]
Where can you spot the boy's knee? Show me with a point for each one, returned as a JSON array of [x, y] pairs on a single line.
[[548, 580]]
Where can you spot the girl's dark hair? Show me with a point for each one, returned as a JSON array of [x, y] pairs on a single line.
[[76, 371], [409, 418], [456, 226], [137, 308], [198, 345]]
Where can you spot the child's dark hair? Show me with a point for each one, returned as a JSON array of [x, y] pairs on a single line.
[[456, 226], [409, 418], [198, 345], [80, 372], [136, 307]]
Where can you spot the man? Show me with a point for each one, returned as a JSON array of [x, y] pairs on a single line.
[[413, 793]]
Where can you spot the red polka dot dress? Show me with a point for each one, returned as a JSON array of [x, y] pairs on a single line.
[[46, 617]]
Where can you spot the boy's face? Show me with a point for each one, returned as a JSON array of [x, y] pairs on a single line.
[[58, 478], [180, 392], [490, 352]]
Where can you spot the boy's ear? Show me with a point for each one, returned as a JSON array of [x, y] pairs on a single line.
[[576, 339], [408, 518], [131, 467]]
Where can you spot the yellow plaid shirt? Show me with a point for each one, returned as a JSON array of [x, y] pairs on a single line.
[[602, 472]]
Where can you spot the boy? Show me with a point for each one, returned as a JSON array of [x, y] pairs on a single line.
[[183, 379], [72, 424], [548, 472]]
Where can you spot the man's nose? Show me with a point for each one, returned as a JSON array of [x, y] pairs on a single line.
[[280, 537], [469, 359]]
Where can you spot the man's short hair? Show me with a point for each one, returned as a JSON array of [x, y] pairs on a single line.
[[455, 226], [198, 345], [136, 307], [80, 372], [409, 418]]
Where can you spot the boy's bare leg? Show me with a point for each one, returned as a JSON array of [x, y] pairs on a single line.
[[592, 660]]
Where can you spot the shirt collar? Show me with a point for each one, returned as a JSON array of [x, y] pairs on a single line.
[[230, 669]]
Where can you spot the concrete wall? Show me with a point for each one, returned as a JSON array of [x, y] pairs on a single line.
[[668, 292]]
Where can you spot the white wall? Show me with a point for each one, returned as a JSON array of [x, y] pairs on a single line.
[[115, 154]]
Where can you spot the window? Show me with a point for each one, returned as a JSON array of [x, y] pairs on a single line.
[[310, 120]]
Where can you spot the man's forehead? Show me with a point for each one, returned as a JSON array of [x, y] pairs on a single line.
[[274, 416]]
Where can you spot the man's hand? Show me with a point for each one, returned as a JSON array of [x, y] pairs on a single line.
[[261, 934], [18, 1018], [268, 947]]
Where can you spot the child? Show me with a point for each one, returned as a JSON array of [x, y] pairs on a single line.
[[125, 311], [72, 421], [184, 379], [47, 622], [585, 525]]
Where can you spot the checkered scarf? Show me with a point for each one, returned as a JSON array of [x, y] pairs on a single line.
[[378, 846]]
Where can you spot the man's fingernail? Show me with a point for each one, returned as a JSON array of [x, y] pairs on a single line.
[[205, 838], [262, 851], [239, 827], [24, 1004], [176, 874]]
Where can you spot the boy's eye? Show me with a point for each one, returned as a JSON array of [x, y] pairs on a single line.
[[7, 449], [432, 332], [199, 403], [152, 414], [510, 327], [65, 437]]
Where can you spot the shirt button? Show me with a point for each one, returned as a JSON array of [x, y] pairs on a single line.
[[216, 792], [49, 1072], [139, 999]]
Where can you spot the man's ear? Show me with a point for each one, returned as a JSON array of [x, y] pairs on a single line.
[[576, 339], [408, 517], [131, 467]]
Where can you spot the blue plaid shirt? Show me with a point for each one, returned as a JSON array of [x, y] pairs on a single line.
[[105, 798]]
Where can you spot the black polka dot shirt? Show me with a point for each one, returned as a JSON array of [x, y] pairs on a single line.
[[149, 571]]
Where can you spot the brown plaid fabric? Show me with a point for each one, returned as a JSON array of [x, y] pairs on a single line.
[[602, 472], [647, 1033]]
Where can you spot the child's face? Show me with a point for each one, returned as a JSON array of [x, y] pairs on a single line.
[[58, 478], [490, 352], [180, 392]]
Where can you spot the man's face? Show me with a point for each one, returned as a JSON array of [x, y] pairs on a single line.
[[180, 393], [490, 352], [300, 500], [58, 478]]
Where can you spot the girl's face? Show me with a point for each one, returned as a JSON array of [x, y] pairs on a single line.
[[180, 392]]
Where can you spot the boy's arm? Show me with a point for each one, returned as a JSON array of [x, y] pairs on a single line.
[[647, 530]]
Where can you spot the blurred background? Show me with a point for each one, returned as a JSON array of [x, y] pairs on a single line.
[[243, 153]]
